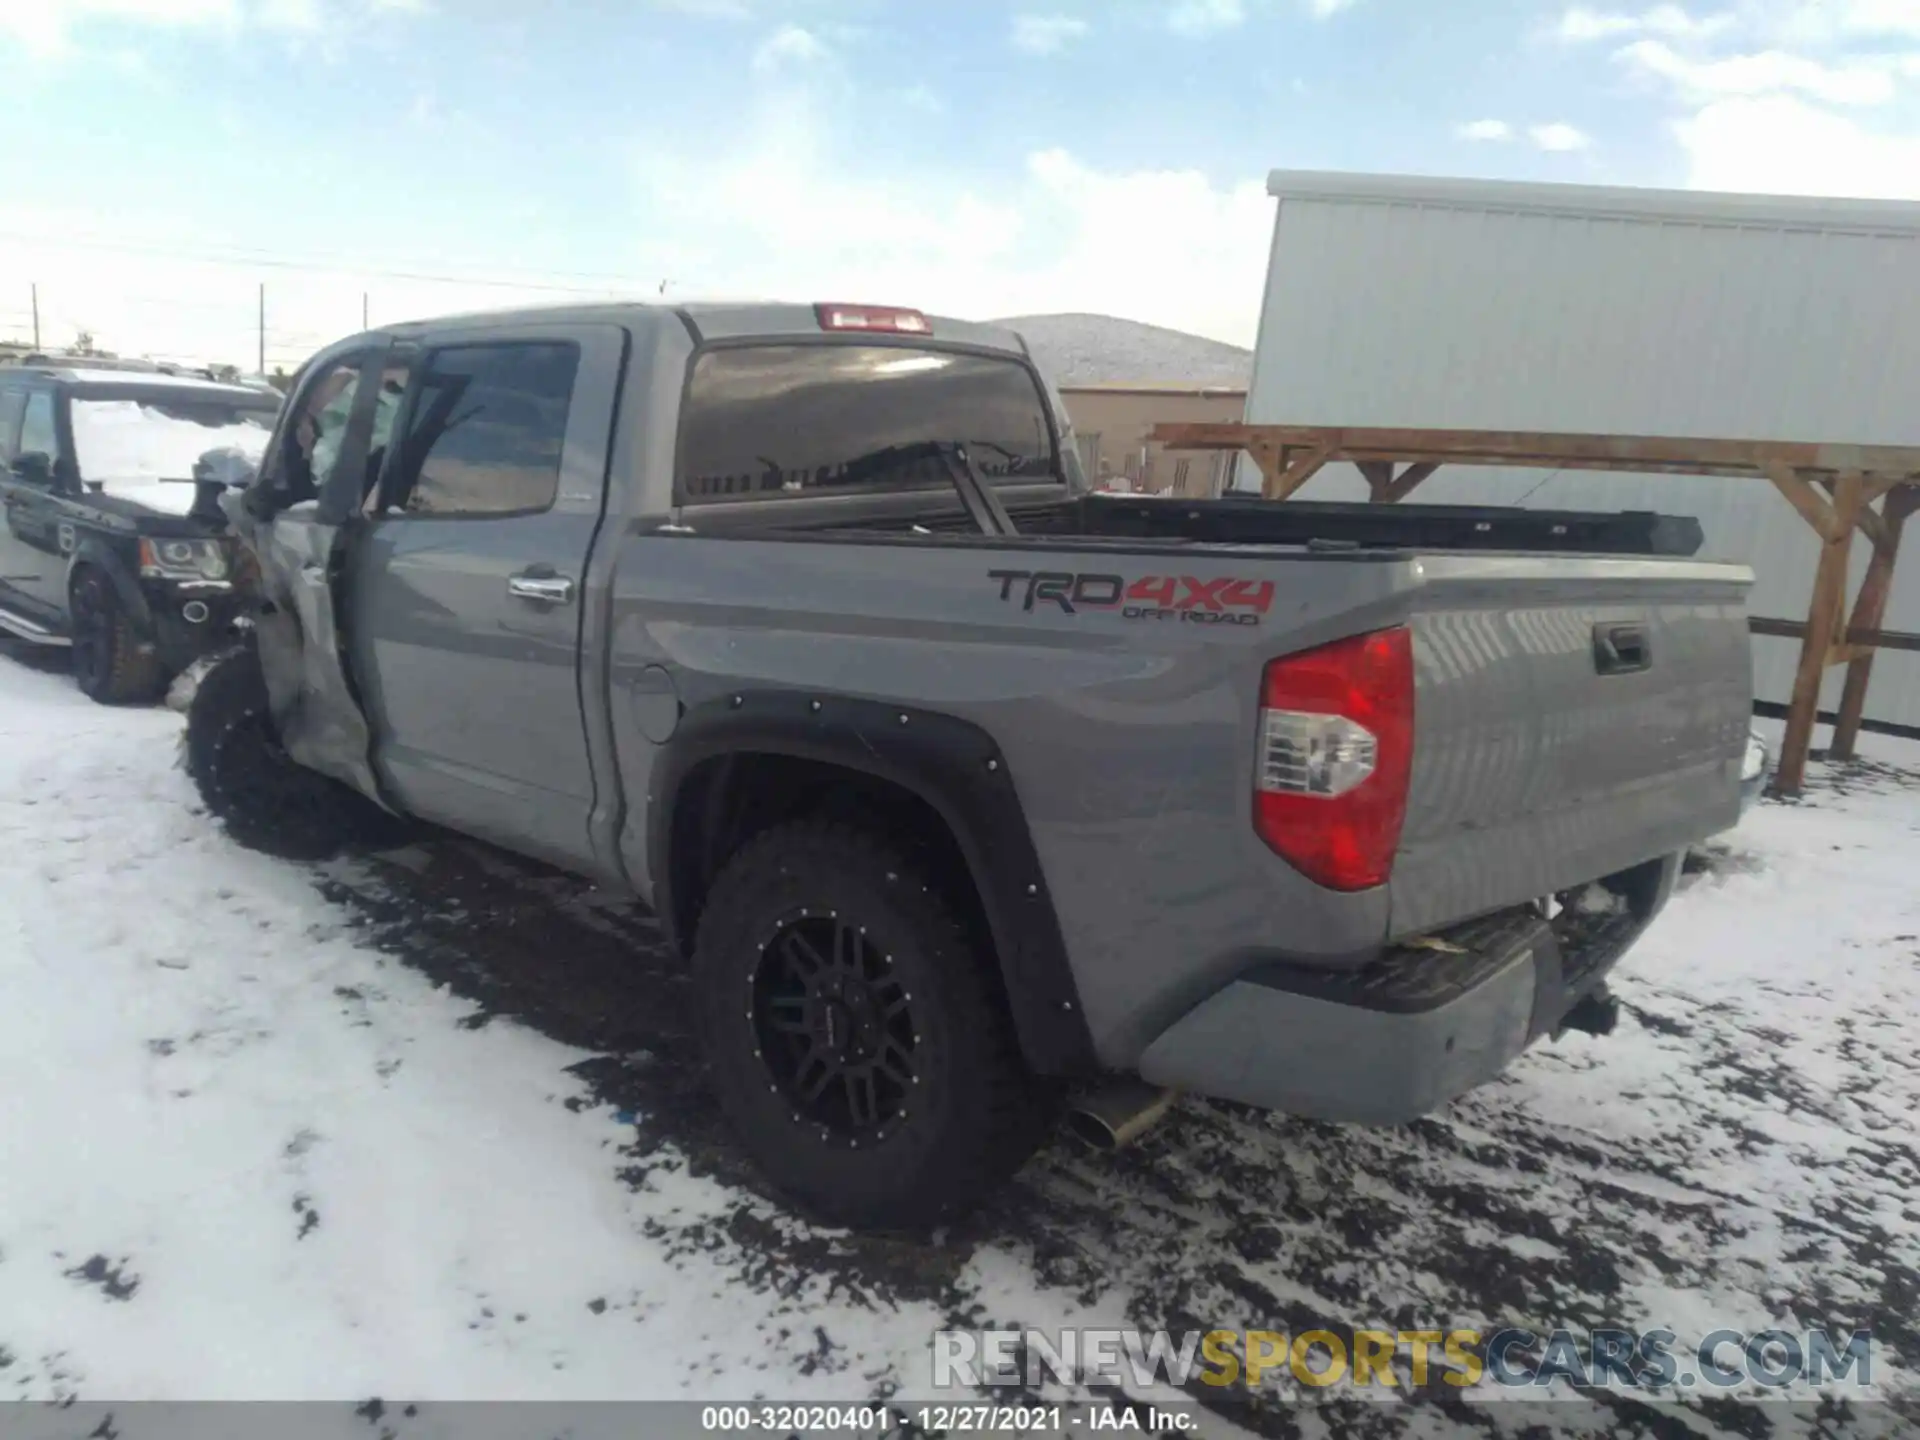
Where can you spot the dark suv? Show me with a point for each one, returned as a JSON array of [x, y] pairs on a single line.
[[108, 546]]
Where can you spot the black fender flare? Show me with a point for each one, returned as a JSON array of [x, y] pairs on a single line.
[[94, 552], [956, 769]]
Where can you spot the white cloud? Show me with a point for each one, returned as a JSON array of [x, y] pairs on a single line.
[[47, 27], [1779, 144], [1581, 24], [707, 9], [789, 45], [767, 217], [1208, 17], [1205, 17], [1770, 72], [304, 16], [1825, 21], [1485, 130], [1559, 136], [1046, 34], [1881, 17]]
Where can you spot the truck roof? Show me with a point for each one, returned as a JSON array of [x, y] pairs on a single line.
[[721, 320]]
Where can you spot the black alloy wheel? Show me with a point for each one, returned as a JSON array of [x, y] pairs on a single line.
[[110, 663], [834, 1026]]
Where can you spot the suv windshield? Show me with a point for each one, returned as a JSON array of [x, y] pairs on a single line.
[[146, 438], [768, 420]]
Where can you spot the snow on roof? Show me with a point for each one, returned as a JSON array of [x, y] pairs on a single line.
[[152, 380]]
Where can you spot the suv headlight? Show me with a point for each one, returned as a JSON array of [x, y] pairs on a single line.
[[183, 559]]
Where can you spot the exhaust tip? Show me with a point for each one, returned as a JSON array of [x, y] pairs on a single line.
[[195, 612], [1115, 1115], [1092, 1131]]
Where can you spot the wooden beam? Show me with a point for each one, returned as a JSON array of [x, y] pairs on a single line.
[[1284, 482], [1875, 529], [1823, 614], [1804, 498], [1403, 485], [1858, 638], [1869, 609], [1869, 521], [1571, 450], [1379, 477]]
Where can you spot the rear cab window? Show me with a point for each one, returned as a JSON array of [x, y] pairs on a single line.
[[771, 421]]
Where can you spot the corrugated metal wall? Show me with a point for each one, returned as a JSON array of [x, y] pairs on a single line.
[[1496, 306]]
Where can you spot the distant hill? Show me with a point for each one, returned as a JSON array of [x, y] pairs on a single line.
[[1106, 350]]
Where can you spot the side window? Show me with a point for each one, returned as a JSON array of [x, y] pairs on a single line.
[[36, 426], [12, 404], [309, 445], [485, 431]]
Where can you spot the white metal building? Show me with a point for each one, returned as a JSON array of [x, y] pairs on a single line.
[[1396, 301]]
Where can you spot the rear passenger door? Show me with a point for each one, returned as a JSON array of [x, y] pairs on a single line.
[[33, 557], [466, 583]]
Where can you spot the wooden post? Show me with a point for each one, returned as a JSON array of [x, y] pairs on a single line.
[[1281, 482], [1401, 487], [1826, 611], [1869, 609]]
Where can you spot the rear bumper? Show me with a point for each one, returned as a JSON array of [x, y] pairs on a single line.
[[1413, 1029]]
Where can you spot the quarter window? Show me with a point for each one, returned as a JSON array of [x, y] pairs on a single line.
[[486, 430]]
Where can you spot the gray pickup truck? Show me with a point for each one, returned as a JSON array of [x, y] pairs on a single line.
[[969, 795]]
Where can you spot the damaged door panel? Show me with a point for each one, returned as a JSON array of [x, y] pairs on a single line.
[[293, 520]]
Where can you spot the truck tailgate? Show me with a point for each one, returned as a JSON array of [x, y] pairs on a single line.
[[1573, 717]]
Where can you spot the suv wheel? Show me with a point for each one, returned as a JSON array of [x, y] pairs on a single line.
[[266, 799], [855, 1042], [111, 662]]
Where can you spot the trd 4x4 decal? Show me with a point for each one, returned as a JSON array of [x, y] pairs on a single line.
[[1225, 600]]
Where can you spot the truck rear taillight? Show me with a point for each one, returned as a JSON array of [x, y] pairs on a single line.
[[1336, 750], [888, 319]]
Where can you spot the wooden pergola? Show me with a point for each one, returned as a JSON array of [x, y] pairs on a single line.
[[1839, 490]]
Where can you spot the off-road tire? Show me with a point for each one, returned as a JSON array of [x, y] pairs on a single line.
[[113, 663], [266, 800], [975, 1113]]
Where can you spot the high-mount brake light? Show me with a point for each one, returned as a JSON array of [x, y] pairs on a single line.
[[1335, 758], [887, 319]]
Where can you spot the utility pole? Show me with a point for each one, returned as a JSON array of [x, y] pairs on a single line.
[[363, 311], [263, 329], [36, 315]]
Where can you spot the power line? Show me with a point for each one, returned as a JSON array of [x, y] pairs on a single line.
[[266, 261]]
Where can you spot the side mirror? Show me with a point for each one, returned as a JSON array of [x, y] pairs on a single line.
[[33, 467], [228, 467], [214, 474]]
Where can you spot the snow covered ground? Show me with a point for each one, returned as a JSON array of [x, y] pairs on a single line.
[[426, 1125]]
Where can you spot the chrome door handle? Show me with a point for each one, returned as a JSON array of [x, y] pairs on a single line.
[[545, 589]]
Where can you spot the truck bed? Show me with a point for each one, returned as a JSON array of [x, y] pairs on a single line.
[[1115, 648]]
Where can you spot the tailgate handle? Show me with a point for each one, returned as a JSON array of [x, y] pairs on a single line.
[[1621, 649]]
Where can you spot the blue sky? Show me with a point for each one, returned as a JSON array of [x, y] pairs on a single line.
[[974, 156]]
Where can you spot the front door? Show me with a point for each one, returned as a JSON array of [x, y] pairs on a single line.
[[466, 581]]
